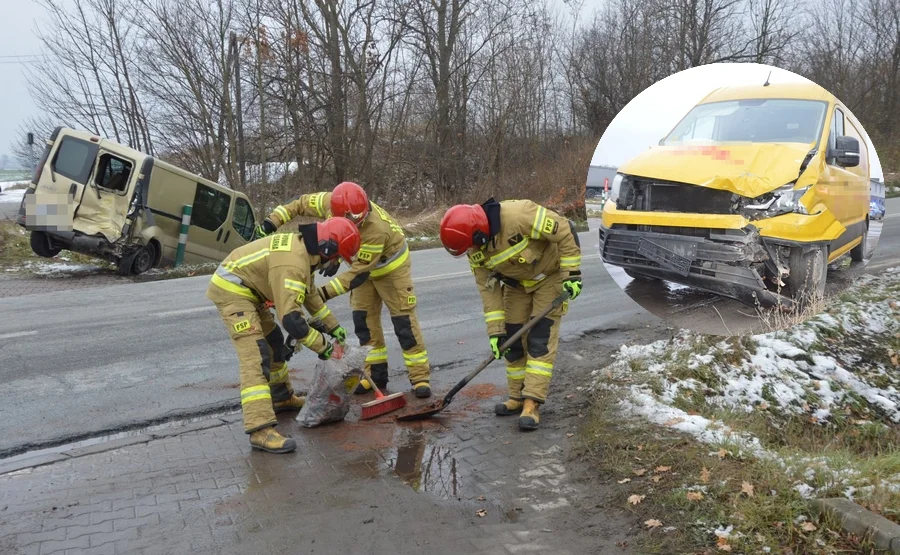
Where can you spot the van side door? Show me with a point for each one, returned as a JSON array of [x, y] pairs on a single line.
[[242, 225], [209, 222]]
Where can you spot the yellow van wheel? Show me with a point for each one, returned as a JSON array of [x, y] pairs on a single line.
[[808, 274], [858, 253], [41, 245]]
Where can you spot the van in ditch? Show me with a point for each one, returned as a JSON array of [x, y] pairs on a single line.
[[97, 197], [751, 195]]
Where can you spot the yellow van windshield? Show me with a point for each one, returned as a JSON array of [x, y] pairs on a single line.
[[752, 120]]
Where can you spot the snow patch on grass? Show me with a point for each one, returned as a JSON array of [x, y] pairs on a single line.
[[839, 368]]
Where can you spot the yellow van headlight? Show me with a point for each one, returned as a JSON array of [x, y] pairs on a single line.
[[616, 187], [783, 200]]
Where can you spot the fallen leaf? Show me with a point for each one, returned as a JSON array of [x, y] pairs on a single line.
[[723, 453], [808, 527], [704, 475], [806, 407], [652, 523], [656, 478], [747, 487], [640, 447], [663, 468], [481, 513], [694, 496], [722, 544], [639, 472], [674, 421], [635, 499], [570, 435], [481, 498], [570, 395], [624, 480], [764, 405]]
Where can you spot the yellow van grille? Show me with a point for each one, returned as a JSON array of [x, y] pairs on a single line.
[[658, 196]]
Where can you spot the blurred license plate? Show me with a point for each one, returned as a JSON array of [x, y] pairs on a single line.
[[668, 258]]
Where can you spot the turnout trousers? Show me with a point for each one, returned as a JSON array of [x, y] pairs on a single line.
[[529, 362], [395, 290], [258, 341]]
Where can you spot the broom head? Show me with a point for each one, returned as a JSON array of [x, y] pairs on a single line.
[[384, 405]]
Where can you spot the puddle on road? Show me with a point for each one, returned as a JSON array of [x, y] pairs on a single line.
[[423, 453]]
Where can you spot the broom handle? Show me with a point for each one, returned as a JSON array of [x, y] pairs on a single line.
[[507, 344]]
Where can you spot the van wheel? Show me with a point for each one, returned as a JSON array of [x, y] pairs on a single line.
[[858, 253], [808, 273], [641, 277], [138, 262], [42, 246]]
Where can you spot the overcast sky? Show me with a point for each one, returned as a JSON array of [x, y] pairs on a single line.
[[652, 114], [18, 43]]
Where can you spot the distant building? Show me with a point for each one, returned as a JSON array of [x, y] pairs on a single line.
[[598, 178]]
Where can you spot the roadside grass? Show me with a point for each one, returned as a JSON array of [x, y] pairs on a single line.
[[810, 411], [689, 497], [16, 253]]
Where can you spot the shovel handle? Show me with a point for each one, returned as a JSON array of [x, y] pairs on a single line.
[[506, 345]]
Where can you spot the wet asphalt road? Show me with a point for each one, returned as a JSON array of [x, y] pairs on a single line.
[[77, 363], [708, 313]]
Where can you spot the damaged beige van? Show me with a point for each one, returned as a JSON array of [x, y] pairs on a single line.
[[99, 198]]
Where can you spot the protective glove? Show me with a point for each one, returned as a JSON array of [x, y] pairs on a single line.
[[266, 228], [330, 268], [572, 284], [329, 350], [340, 334], [496, 342], [288, 349]]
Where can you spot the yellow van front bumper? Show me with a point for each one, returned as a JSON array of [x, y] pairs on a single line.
[[725, 254]]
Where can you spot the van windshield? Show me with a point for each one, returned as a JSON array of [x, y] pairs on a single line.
[[752, 120]]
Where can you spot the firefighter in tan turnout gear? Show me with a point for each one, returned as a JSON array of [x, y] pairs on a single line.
[[380, 275], [276, 269], [523, 256]]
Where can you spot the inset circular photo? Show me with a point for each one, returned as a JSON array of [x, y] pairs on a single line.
[[736, 198]]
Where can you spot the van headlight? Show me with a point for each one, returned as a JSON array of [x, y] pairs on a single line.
[[616, 187], [783, 200]]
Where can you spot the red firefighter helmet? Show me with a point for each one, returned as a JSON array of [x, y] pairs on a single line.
[[349, 200], [462, 227], [337, 237]]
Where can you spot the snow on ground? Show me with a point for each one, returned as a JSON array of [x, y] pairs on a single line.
[[61, 269], [836, 365], [12, 196]]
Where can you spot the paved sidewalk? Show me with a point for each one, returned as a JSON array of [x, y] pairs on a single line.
[[374, 487]]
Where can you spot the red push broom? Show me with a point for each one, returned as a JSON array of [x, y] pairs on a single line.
[[383, 404]]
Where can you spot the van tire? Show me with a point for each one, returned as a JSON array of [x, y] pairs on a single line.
[[139, 261], [41, 245], [808, 274], [858, 253]]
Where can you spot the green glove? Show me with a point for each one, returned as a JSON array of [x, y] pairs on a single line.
[[496, 342], [329, 350], [572, 284], [340, 334]]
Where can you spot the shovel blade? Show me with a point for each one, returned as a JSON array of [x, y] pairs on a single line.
[[423, 413]]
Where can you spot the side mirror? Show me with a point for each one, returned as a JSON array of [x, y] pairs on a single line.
[[846, 152]]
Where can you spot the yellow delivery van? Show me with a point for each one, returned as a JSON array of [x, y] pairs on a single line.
[[751, 196]]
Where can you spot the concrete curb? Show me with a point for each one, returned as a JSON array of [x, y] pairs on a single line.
[[856, 520], [85, 448]]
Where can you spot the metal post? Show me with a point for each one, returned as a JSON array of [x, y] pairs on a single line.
[[182, 238]]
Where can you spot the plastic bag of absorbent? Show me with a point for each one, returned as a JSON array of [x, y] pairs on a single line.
[[332, 387]]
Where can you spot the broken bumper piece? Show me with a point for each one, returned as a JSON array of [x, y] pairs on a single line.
[[725, 262]]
